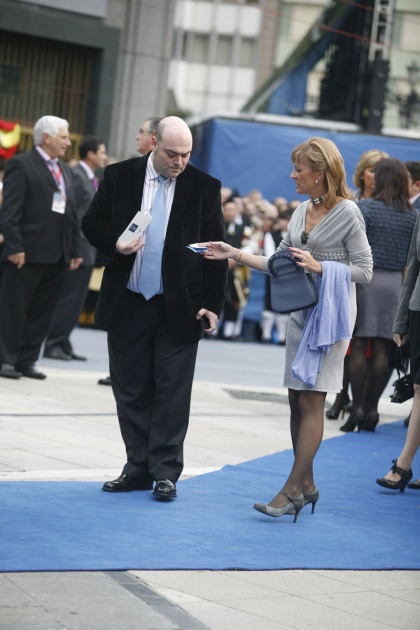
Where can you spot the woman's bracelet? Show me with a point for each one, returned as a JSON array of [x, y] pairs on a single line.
[[238, 260]]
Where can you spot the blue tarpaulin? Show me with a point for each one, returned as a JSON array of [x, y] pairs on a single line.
[[246, 154]]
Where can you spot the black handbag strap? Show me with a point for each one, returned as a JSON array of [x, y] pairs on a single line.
[[399, 361]]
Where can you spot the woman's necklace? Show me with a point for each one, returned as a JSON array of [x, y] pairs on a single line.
[[318, 200]]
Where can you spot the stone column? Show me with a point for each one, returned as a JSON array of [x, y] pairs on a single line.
[[141, 86]]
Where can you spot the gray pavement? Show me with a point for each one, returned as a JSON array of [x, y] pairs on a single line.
[[65, 428]]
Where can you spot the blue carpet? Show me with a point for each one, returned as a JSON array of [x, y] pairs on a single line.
[[74, 526]]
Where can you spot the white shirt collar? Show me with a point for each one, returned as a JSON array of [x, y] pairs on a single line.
[[87, 168], [45, 155]]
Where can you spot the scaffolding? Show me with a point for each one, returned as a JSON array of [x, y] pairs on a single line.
[[383, 14]]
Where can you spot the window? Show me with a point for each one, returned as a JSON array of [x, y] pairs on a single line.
[[286, 20], [224, 50], [397, 27], [10, 79], [199, 48], [247, 52], [50, 76], [178, 45]]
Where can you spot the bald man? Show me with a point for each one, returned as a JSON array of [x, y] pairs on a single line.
[[153, 340]]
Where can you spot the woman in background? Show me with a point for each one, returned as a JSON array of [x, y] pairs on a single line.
[[364, 180], [364, 173], [389, 219], [407, 327]]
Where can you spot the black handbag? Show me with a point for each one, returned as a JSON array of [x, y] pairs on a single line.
[[403, 386], [292, 289]]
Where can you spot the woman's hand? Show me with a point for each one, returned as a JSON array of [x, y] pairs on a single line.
[[218, 250], [400, 340], [304, 259]]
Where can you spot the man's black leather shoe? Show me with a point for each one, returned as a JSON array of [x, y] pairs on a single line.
[[105, 381], [77, 357], [57, 353], [9, 371], [165, 489], [126, 483], [29, 371]]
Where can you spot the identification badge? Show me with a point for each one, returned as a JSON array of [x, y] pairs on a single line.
[[58, 204]]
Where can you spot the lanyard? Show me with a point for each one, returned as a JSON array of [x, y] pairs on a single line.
[[58, 176], [56, 173]]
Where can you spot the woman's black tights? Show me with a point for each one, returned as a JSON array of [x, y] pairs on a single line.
[[369, 377]]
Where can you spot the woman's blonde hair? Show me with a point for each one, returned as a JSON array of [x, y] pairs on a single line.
[[322, 156], [367, 160]]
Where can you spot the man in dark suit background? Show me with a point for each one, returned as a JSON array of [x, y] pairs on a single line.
[[75, 285], [414, 183], [41, 239], [153, 342], [146, 131]]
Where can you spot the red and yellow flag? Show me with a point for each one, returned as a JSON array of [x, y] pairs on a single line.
[[9, 138]]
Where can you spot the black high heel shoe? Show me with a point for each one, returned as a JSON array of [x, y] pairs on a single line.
[[414, 485], [400, 485], [339, 407], [311, 497], [369, 422], [353, 422]]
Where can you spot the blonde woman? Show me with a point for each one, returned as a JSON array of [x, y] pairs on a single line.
[[364, 173], [326, 228]]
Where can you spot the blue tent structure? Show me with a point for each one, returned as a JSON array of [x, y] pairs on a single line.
[[253, 151], [284, 92]]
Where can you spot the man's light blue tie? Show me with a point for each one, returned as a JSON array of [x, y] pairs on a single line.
[[151, 264]]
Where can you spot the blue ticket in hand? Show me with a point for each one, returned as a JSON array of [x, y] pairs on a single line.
[[197, 249]]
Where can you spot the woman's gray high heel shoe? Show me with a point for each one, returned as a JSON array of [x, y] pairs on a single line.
[[311, 497], [293, 507]]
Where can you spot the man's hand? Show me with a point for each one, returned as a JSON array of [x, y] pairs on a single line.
[[212, 317], [128, 248], [75, 263], [17, 259]]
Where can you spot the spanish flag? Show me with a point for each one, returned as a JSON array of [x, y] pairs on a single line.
[[9, 139]]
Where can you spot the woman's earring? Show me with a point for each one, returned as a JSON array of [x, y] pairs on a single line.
[[316, 181]]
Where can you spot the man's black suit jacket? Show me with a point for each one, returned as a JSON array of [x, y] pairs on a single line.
[[84, 193], [28, 223], [189, 281]]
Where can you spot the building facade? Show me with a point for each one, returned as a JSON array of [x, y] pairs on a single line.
[[106, 65], [101, 64]]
